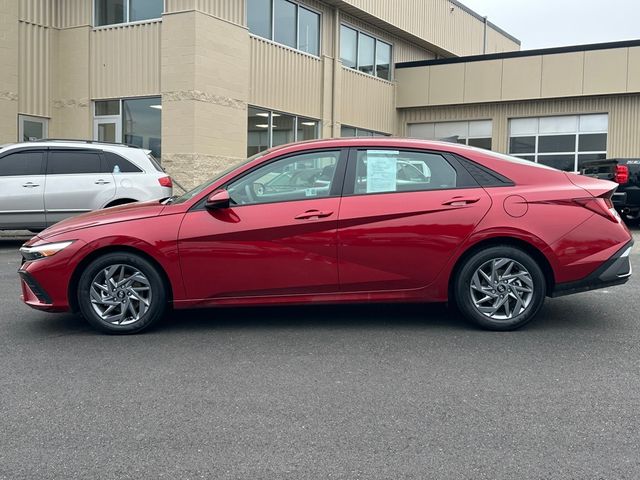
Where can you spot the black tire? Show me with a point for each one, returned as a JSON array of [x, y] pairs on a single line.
[[132, 262], [464, 293]]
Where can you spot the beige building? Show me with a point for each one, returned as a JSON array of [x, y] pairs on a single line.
[[204, 83]]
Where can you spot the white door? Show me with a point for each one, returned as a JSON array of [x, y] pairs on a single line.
[[107, 129], [22, 184], [75, 183]]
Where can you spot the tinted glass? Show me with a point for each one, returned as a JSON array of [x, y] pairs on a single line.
[[145, 9], [32, 130], [302, 177], [589, 157], [383, 60], [366, 48], [107, 107], [307, 129], [21, 163], [284, 22], [109, 12], [480, 143], [379, 171], [114, 163], [348, 47], [561, 162], [308, 31], [257, 131], [556, 143], [347, 131], [522, 145], [592, 143], [69, 161], [259, 17], [283, 129], [142, 124]]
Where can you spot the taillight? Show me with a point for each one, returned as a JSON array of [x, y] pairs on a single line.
[[622, 174], [601, 205], [165, 182]]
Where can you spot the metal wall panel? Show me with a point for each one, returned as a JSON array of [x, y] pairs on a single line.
[[34, 75], [73, 13], [284, 79], [439, 22], [368, 102], [39, 12], [125, 60], [230, 10], [623, 110]]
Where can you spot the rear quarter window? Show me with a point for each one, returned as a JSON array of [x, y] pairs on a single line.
[[114, 163]]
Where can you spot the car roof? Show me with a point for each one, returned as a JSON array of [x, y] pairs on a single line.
[[68, 143]]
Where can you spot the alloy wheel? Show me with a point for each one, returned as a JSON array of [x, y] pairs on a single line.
[[501, 288], [120, 294]]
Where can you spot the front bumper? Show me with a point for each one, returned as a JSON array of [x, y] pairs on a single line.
[[615, 271]]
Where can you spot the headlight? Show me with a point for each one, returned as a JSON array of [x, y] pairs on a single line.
[[42, 251]]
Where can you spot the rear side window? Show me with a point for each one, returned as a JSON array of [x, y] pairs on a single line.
[[21, 163], [114, 163], [70, 161], [379, 171]]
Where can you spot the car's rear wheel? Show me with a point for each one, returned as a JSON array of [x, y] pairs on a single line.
[[500, 288], [121, 293]]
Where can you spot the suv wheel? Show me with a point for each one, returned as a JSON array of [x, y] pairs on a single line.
[[121, 293], [500, 288]]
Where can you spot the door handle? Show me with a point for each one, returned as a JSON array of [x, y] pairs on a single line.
[[460, 201], [101, 182], [313, 214], [30, 185]]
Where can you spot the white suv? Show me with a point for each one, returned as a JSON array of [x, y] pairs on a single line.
[[46, 181]]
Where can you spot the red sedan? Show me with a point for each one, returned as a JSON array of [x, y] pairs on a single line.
[[348, 220]]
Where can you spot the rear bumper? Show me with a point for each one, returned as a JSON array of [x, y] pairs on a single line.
[[615, 271]]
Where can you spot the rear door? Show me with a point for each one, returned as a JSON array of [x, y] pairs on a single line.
[[75, 183], [22, 189], [402, 216]]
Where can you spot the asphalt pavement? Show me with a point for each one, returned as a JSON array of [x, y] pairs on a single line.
[[356, 392]]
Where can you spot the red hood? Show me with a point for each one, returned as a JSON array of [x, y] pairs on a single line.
[[121, 213]]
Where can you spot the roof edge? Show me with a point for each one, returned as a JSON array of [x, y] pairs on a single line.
[[475, 14], [521, 53]]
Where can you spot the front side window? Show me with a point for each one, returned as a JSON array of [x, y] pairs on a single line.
[[285, 22], [111, 12], [365, 53], [300, 177], [68, 162], [567, 142], [21, 164], [386, 171], [268, 129]]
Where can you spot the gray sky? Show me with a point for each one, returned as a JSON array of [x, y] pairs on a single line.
[[555, 23]]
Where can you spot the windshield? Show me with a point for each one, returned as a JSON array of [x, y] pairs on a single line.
[[200, 188]]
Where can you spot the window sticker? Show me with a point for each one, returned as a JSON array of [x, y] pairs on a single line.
[[382, 170], [311, 192]]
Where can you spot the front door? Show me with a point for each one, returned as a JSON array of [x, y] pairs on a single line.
[[403, 215], [76, 183], [278, 238], [22, 190], [107, 129]]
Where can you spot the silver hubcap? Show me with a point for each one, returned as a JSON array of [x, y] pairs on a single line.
[[501, 289], [120, 294]]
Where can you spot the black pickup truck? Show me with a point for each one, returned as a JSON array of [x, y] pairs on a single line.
[[626, 173]]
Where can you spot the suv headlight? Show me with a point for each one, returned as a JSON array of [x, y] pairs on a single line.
[[42, 251]]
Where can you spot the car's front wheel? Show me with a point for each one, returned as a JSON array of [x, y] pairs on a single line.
[[121, 293], [500, 288]]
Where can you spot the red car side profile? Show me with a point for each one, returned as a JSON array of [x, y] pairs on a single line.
[[342, 220]]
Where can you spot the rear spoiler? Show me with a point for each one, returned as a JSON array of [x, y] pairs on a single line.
[[594, 186]]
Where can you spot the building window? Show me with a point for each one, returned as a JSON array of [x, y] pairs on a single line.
[[563, 142], [135, 121], [110, 12], [285, 22], [32, 128], [346, 131], [365, 53], [475, 133], [268, 129]]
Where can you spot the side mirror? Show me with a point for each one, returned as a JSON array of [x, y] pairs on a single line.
[[218, 199]]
